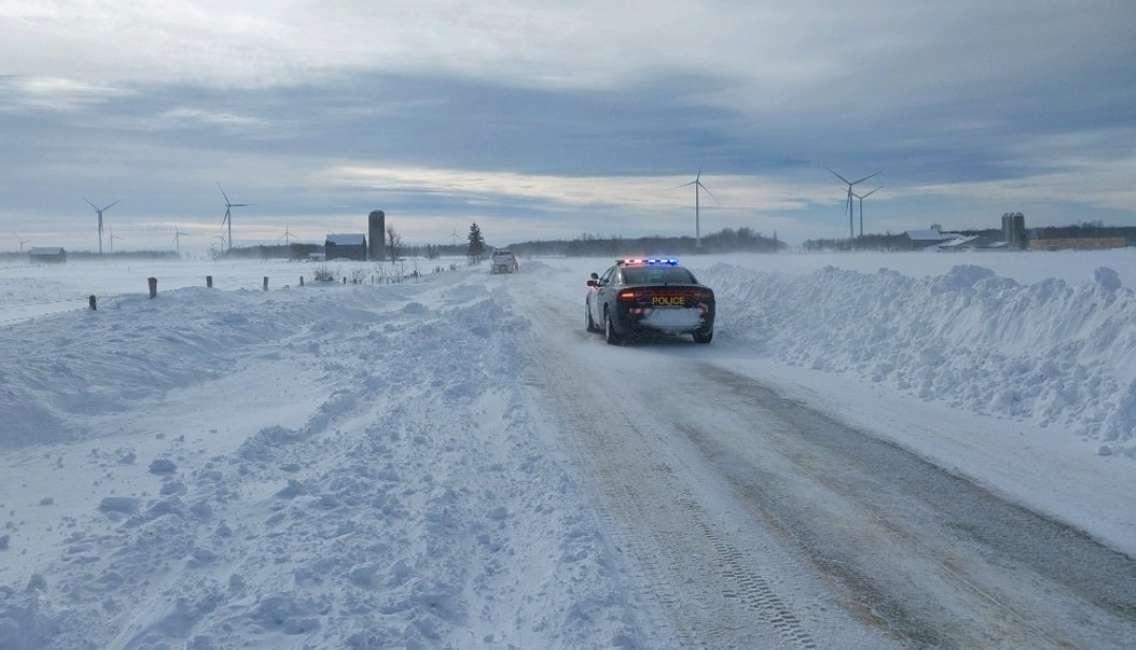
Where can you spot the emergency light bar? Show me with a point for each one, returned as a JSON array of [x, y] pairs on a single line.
[[657, 261]]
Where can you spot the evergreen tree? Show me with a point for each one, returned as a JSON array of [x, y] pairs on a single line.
[[476, 248]]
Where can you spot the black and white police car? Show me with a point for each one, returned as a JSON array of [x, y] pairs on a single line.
[[648, 295]]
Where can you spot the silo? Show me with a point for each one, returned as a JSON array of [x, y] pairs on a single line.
[[376, 235], [1019, 227]]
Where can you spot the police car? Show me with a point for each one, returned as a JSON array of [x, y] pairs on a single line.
[[644, 295]]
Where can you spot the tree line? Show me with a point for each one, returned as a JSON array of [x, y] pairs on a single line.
[[727, 240]]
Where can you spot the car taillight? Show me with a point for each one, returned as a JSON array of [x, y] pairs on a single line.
[[626, 296]]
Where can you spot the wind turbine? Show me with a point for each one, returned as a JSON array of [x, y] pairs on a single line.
[[286, 237], [99, 211], [850, 184], [698, 186], [22, 242], [862, 206], [111, 237], [177, 239], [228, 219], [454, 238]]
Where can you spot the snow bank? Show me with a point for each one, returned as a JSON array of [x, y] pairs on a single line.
[[1054, 353], [416, 504]]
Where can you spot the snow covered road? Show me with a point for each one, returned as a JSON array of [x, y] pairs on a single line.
[[754, 520]]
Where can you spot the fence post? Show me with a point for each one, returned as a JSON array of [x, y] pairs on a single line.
[[92, 303], [209, 281], [153, 282], [266, 283], [301, 280]]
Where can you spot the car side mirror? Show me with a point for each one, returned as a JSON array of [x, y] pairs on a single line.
[[593, 283], [595, 276]]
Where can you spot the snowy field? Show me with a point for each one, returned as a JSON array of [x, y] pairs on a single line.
[[28, 290], [386, 466]]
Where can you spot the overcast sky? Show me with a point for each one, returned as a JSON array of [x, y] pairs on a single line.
[[550, 120]]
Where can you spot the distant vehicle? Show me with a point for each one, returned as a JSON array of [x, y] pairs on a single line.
[[504, 262], [648, 295]]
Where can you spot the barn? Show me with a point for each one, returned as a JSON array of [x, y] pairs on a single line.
[[348, 246], [47, 254]]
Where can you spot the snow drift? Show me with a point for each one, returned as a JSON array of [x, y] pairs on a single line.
[[415, 504], [1053, 353]]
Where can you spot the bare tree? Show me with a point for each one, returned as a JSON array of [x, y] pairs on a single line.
[[394, 243]]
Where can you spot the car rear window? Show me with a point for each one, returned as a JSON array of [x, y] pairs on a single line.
[[657, 275]]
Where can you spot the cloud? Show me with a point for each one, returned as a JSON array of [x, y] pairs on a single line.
[[556, 118], [1090, 168], [198, 116], [660, 192], [776, 56], [53, 93]]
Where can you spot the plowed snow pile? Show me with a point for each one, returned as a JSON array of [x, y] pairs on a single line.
[[1054, 353], [322, 467]]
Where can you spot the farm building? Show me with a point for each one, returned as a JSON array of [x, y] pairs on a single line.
[[922, 239], [349, 246], [47, 254]]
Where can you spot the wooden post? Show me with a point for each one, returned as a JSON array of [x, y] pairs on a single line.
[[345, 279], [266, 283], [301, 280], [92, 303], [209, 281], [153, 282]]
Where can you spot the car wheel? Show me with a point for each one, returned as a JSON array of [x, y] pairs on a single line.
[[704, 337], [609, 331], [589, 324]]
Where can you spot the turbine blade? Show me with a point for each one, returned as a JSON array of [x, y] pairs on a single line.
[[707, 189], [92, 205], [239, 205], [223, 193], [872, 192], [838, 175], [866, 178], [113, 204], [684, 185]]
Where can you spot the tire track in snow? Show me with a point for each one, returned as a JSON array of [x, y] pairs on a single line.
[[712, 594]]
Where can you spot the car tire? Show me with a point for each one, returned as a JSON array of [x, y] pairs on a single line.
[[589, 324], [610, 334], [704, 337]]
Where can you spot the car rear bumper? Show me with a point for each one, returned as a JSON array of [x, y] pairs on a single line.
[[640, 320]]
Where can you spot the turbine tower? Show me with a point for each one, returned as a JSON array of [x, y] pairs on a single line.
[[228, 218], [862, 206], [99, 211], [177, 239], [850, 184], [698, 187]]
